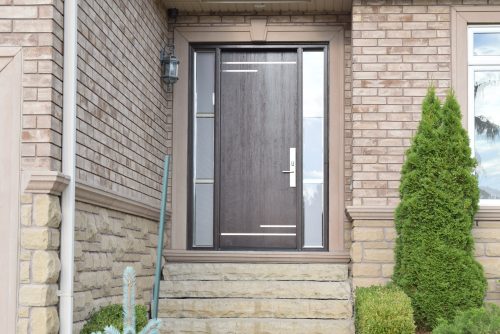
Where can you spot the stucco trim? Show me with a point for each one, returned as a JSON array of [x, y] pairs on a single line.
[[46, 182], [331, 34], [92, 195], [256, 257]]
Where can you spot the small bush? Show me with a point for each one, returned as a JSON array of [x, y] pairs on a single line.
[[383, 310], [112, 315], [483, 320]]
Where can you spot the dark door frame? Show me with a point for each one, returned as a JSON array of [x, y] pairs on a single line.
[[299, 47]]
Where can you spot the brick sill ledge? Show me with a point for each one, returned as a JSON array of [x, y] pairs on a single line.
[[255, 256]]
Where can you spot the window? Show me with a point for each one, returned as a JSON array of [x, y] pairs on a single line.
[[484, 107]]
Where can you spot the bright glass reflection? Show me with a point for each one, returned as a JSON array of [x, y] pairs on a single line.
[[313, 108], [486, 44], [487, 132]]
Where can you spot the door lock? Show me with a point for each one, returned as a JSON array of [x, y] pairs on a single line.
[[292, 168]]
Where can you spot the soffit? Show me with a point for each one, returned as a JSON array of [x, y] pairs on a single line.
[[259, 6]]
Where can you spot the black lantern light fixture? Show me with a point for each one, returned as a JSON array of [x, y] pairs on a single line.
[[170, 67], [168, 60]]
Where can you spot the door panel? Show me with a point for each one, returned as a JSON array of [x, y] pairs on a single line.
[[258, 126]]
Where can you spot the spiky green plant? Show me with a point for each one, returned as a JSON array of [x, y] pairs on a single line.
[[152, 327], [439, 194]]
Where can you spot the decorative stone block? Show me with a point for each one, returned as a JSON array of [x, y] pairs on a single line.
[[46, 211], [38, 295], [46, 267], [44, 320]]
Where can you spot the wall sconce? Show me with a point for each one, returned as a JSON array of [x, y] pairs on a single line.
[[168, 60], [170, 67]]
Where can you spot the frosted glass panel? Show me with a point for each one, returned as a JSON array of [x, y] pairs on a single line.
[[313, 215], [204, 157], [203, 215], [313, 148], [205, 79], [313, 84], [487, 44], [313, 109], [487, 132]]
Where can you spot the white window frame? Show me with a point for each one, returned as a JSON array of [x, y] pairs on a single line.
[[475, 64]]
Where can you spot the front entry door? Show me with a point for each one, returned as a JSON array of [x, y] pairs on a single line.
[[259, 118]]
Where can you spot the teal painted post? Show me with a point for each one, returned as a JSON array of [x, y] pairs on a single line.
[[161, 229]]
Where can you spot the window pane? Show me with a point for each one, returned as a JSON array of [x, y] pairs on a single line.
[[313, 99], [204, 156], [313, 215], [204, 78], [313, 84], [487, 132], [203, 215], [313, 148], [487, 44]]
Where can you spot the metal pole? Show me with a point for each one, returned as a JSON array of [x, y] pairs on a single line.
[[161, 229]]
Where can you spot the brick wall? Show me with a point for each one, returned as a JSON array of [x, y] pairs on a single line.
[[107, 241], [399, 48], [124, 115]]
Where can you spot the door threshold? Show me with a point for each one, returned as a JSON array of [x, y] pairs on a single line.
[[256, 256]]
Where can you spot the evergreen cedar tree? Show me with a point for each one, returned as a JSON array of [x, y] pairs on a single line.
[[439, 195]]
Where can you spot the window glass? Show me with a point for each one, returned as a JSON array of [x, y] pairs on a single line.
[[313, 110], [487, 131], [486, 44], [203, 150]]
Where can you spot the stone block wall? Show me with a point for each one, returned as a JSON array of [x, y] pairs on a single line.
[[107, 241], [372, 254], [124, 110], [39, 264]]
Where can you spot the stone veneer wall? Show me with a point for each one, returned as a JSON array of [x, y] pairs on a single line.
[[297, 19], [399, 48], [124, 114], [106, 242], [372, 253], [34, 29]]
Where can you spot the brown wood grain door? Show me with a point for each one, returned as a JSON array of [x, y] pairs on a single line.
[[258, 126]]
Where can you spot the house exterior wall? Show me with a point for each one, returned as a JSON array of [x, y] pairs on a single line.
[[124, 120], [399, 48], [32, 30], [124, 130]]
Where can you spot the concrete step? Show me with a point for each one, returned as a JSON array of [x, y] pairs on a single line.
[[252, 325], [254, 272], [255, 308], [256, 289]]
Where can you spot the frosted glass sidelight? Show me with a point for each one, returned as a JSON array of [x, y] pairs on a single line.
[[204, 82], [203, 229]]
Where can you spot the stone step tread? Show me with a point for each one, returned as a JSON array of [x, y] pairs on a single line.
[[255, 325], [255, 308], [255, 289], [255, 271]]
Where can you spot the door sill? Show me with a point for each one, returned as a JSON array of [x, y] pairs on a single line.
[[175, 255]]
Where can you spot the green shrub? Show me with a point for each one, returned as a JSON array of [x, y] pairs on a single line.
[[113, 315], [484, 320], [439, 194], [383, 310]]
